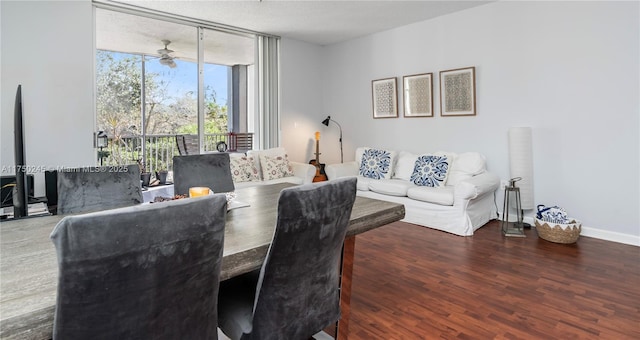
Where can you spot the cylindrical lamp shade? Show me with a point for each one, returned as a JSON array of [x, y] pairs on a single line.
[[521, 163]]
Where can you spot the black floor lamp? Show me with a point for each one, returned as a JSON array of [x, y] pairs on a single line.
[[326, 123]]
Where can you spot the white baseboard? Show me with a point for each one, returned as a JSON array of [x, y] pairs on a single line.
[[601, 234], [612, 236]]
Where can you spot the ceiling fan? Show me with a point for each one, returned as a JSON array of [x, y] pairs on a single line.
[[165, 58]]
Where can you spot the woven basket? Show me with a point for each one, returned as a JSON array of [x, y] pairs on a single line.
[[558, 233]]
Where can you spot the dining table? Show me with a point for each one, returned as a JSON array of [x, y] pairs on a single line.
[[29, 268]]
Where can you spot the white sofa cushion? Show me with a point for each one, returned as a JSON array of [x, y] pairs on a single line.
[[464, 166], [441, 195], [470, 162], [304, 171], [405, 165], [431, 170], [377, 163], [392, 187], [363, 183], [359, 152]]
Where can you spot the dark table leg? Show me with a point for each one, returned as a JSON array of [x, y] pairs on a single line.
[[345, 287]]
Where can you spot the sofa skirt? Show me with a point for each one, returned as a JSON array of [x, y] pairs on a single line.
[[461, 221]]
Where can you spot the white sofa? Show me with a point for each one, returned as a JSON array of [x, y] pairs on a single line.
[[249, 172], [461, 203], [301, 173]]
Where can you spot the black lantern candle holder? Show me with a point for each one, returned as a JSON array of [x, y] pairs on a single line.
[[512, 195]]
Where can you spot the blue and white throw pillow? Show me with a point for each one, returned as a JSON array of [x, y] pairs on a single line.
[[431, 171], [375, 164], [553, 214]]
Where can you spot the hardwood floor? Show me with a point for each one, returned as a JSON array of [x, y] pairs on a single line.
[[411, 282]]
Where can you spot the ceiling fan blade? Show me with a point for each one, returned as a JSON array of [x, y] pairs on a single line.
[[164, 51], [167, 61], [165, 58]]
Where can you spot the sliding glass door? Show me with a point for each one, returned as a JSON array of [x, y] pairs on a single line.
[[157, 80]]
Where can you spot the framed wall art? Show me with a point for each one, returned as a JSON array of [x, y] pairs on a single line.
[[418, 95], [385, 98], [458, 92]]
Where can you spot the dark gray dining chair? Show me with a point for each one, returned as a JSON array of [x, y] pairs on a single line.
[[98, 188], [212, 170], [149, 271], [296, 293]]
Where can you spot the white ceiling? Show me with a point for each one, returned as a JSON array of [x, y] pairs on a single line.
[[121, 32], [317, 22]]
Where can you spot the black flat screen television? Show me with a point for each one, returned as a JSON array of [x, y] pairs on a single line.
[[20, 208]]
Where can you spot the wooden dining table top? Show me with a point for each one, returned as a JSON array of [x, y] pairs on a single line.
[[29, 269]]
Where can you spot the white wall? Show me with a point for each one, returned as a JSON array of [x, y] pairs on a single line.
[[569, 70], [301, 107], [47, 46]]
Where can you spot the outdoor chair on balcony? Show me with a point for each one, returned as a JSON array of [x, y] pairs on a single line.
[[240, 141], [187, 144]]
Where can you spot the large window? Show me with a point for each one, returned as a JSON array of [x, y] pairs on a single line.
[[155, 62]]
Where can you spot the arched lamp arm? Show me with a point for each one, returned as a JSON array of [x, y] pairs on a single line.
[[341, 153]]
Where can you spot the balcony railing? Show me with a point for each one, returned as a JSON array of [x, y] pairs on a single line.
[[160, 149]]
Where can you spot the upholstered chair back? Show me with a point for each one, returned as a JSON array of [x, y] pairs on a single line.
[[149, 271], [210, 170], [98, 188], [298, 289]]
